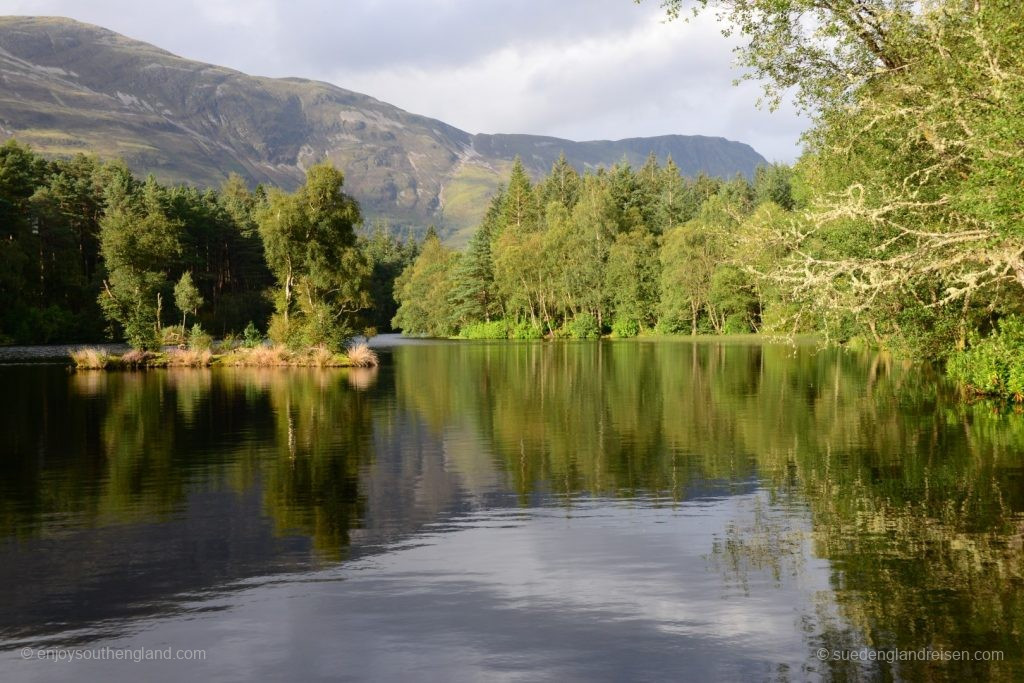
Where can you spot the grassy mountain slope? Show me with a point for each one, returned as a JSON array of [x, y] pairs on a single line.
[[69, 87]]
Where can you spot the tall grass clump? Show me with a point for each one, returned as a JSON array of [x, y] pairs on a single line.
[[322, 357], [993, 365], [259, 357], [91, 359], [361, 356], [190, 358]]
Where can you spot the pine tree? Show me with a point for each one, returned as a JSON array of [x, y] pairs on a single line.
[[677, 200], [474, 297], [562, 184], [520, 212]]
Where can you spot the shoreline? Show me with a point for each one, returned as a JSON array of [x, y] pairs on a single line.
[[356, 356]]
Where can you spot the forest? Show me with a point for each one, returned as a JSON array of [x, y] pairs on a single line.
[[90, 252]]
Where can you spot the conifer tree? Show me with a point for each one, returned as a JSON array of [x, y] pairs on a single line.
[[520, 212]]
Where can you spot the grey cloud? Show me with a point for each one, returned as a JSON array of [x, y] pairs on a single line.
[[443, 33], [432, 56]]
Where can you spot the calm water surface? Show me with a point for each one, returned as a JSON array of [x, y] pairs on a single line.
[[497, 511]]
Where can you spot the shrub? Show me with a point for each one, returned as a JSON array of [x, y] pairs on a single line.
[[230, 341], [526, 330], [993, 365], [361, 356], [496, 329], [172, 336], [251, 337], [198, 340], [584, 326], [91, 359], [623, 327], [140, 333]]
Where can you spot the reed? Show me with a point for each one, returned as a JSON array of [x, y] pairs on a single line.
[[91, 359], [190, 358], [361, 356], [258, 357]]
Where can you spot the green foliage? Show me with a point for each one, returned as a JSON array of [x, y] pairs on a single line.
[[520, 211], [187, 297], [198, 339], [583, 326], [388, 256], [910, 187], [474, 295], [424, 291], [625, 327], [632, 278], [138, 241], [632, 249], [251, 337], [310, 246], [495, 329], [524, 329], [61, 220], [993, 365]]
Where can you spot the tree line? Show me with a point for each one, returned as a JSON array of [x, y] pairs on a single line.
[[88, 251], [618, 250]]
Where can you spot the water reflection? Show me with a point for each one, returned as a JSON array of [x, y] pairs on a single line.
[[705, 494]]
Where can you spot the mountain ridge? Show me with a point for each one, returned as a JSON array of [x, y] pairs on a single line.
[[68, 86]]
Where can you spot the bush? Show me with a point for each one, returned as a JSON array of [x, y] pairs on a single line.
[[198, 340], [993, 365], [624, 327], [583, 326], [229, 341], [140, 333], [496, 329], [526, 330], [172, 336], [251, 337]]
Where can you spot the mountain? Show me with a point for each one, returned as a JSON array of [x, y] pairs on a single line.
[[68, 87]]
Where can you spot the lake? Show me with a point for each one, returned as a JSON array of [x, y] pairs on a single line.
[[563, 511]]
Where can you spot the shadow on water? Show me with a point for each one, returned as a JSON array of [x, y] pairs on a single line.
[[127, 496]]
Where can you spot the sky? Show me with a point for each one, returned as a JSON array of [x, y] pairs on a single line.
[[578, 69]]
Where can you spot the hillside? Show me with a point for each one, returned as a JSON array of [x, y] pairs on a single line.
[[70, 87]]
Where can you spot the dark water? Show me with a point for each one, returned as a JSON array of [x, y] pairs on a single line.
[[540, 511]]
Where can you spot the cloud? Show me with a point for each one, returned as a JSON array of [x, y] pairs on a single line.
[[582, 69]]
